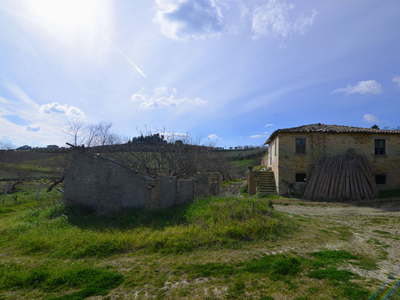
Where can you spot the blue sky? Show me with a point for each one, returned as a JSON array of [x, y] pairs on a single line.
[[227, 70]]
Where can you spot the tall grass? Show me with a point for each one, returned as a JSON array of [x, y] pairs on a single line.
[[64, 232], [85, 282]]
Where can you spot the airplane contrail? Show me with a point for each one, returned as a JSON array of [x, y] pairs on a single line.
[[126, 57]]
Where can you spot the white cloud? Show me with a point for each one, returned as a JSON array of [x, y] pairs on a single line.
[[172, 136], [363, 87], [268, 125], [200, 19], [32, 128], [55, 108], [397, 79], [46, 126], [370, 119], [255, 136], [180, 20], [213, 137], [277, 19], [164, 97]]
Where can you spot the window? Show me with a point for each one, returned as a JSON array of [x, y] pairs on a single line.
[[301, 177], [300, 145], [380, 147], [380, 179]]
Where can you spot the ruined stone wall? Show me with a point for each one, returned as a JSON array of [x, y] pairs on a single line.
[[153, 194], [319, 145], [102, 184], [207, 184], [185, 191], [167, 191], [213, 183]]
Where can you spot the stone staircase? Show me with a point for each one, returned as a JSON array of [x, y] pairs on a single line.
[[266, 183]]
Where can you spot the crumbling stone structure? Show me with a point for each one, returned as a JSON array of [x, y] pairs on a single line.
[[102, 184]]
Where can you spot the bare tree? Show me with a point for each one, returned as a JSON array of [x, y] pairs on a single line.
[[102, 137], [91, 131], [171, 154], [75, 132], [153, 152], [92, 135], [103, 134]]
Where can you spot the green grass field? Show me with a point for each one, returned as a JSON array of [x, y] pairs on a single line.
[[215, 248]]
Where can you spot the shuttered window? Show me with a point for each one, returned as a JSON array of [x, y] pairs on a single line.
[[380, 147], [300, 145]]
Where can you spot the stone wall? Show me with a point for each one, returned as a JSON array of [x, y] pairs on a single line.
[[320, 145], [101, 184], [207, 184], [185, 191], [167, 191]]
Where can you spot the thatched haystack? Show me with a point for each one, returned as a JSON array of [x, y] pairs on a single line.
[[342, 177]]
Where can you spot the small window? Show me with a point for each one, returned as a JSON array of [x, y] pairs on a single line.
[[380, 179], [380, 147], [301, 177], [300, 145]]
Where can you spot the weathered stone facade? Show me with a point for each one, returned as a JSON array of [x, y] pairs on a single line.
[[286, 163]]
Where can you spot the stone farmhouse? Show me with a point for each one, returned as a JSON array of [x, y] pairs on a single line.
[[294, 152]]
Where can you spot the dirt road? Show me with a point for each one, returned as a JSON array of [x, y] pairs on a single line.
[[375, 226]]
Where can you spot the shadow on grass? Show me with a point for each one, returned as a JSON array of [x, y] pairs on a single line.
[[215, 222], [130, 218]]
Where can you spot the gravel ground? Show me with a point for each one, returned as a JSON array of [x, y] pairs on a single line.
[[375, 224]]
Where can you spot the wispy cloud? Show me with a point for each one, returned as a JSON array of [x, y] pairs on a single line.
[[303, 23], [163, 97], [370, 119], [275, 18], [239, 24], [45, 126], [257, 136], [268, 125], [363, 87], [397, 79]]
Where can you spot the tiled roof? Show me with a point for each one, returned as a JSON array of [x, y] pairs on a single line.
[[331, 129]]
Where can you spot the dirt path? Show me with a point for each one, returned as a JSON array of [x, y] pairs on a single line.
[[375, 226]]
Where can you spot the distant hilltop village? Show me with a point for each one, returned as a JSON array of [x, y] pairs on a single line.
[[55, 147], [49, 147]]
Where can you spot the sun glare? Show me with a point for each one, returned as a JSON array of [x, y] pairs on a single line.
[[68, 14]]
